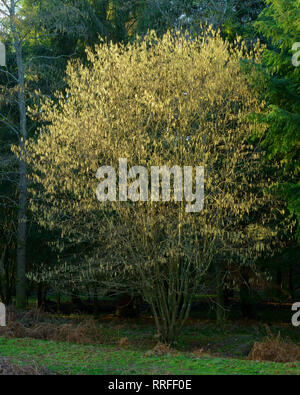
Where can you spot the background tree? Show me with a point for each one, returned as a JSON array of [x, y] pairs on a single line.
[[8, 9], [279, 26], [40, 36], [161, 15]]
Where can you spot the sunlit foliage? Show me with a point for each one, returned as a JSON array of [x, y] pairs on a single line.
[[159, 101]]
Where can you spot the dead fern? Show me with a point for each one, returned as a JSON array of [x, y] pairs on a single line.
[[274, 348]]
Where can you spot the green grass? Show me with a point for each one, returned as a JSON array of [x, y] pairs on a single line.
[[65, 358]]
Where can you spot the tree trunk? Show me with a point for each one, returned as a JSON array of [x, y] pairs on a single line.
[[58, 303], [6, 276], [279, 278], [76, 301], [22, 215], [3, 285], [95, 302], [127, 306], [247, 303], [220, 311], [39, 295], [291, 282]]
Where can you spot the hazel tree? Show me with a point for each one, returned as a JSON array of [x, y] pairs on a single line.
[[168, 102]]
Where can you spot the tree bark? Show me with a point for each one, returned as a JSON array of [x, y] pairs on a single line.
[[291, 282], [39, 295], [22, 214], [246, 298], [220, 310]]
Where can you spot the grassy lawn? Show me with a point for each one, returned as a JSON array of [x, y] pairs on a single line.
[[110, 345], [66, 358]]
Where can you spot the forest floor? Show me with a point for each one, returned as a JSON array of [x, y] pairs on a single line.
[[78, 344]]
